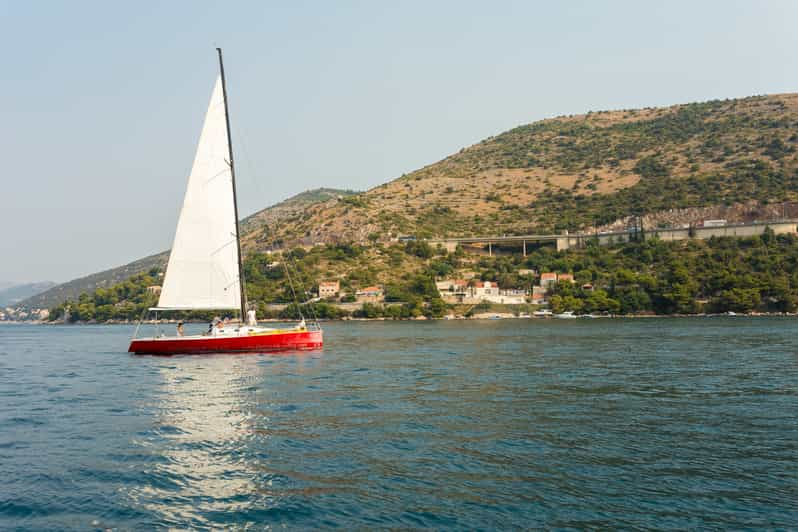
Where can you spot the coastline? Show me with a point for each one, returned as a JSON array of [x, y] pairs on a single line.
[[481, 317]]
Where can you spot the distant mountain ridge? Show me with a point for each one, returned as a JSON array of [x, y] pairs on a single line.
[[12, 293], [251, 227]]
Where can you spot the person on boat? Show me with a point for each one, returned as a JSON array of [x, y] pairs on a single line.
[[217, 328], [252, 319], [180, 328], [212, 325]]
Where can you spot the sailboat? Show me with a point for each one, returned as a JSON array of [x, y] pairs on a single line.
[[205, 270]]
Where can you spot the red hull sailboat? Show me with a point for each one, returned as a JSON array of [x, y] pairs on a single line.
[[263, 341], [205, 270]]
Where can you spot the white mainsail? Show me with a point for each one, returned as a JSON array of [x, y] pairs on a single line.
[[203, 267]]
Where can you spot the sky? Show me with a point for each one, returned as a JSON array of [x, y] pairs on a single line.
[[101, 103]]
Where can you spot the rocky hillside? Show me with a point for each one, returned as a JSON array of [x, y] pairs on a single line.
[[577, 172], [251, 228], [733, 159]]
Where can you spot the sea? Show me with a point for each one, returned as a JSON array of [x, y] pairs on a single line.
[[662, 423]]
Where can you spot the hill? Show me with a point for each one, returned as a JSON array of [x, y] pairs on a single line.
[[577, 172], [255, 223], [725, 158], [72, 289], [11, 294]]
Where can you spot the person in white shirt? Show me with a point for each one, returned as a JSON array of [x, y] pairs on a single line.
[[252, 321]]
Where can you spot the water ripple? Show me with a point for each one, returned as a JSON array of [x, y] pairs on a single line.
[[502, 424]]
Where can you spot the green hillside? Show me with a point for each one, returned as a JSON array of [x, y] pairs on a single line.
[[104, 279], [251, 225], [650, 276], [733, 159]]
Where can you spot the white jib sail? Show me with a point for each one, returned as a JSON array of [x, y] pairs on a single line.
[[203, 267]]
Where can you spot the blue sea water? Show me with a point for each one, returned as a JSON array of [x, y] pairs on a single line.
[[656, 423]]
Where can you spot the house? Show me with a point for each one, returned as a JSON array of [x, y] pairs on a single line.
[[370, 294], [513, 292], [587, 287], [481, 289], [527, 273], [538, 295], [155, 289], [451, 286], [548, 279], [491, 292], [329, 288], [538, 299], [565, 277]]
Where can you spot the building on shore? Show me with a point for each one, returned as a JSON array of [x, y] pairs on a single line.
[[548, 279], [329, 289], [538, 296], [370, 294], [461, 291], [451, 287]]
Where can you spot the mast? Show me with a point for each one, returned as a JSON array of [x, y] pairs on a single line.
[[235, 198]]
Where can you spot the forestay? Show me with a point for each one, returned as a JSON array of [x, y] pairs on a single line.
[[203, 267]]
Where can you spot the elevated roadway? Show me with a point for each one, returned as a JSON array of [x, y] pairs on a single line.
[[566, 241]]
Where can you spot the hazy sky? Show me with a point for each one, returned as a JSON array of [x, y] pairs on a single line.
[[101, 103]]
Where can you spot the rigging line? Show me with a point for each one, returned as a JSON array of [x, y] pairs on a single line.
[[242, 141], [302, 288], [291, 284], [250, 174], [220, 173], [217, 250], [301, 285], [250, 178]]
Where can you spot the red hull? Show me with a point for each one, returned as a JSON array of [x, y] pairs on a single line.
[[228, 344]]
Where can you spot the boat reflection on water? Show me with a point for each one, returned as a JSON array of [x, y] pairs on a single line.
[[209, 423]]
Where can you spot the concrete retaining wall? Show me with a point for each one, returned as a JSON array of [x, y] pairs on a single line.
[[669, 235]]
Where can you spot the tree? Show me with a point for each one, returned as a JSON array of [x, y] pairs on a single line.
[[572, 303], [737, 300], [599, 301], [768, 236], [556, 304], [368, 310], [436, 308], [419, 248]]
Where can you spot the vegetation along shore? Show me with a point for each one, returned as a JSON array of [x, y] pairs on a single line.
[[718, 275]]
